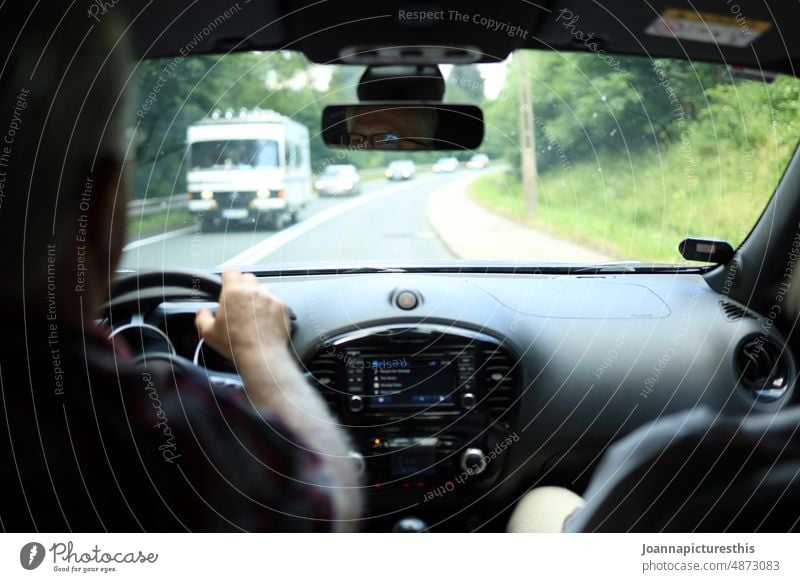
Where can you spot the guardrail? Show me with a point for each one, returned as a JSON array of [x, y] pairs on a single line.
[[145, 206]]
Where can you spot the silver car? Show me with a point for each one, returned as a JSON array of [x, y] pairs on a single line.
[[401, 170], [478, 162], [338, 180], [446, 165]]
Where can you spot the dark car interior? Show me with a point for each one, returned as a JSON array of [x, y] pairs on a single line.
[[543, 365]]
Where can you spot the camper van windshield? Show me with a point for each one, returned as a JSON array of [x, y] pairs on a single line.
[[238, 153]]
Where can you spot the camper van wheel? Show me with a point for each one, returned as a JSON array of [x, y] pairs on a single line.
[[207, 225], [272, 221], [278, 221]]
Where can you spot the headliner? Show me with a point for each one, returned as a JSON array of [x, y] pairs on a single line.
[[322, 29]]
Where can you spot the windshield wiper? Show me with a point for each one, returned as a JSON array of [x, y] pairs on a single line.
[[355, 270], [613, 266], [632, 267]]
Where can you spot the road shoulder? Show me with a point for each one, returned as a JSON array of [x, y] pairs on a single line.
[[469, 231]]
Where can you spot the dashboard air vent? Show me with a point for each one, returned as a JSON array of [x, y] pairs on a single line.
[[734, 312], [763, 368], [323, 368], [499, 380]]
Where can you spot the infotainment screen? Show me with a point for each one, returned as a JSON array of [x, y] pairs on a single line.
[[409, 382]]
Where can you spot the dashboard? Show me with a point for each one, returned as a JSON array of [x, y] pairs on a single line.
[[462, 391]]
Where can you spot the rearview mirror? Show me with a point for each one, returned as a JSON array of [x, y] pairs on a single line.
[[403, 126]]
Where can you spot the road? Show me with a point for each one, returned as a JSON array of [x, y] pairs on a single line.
[[386, 221]]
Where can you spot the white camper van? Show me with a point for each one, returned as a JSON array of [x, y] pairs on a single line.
[[250, 168]]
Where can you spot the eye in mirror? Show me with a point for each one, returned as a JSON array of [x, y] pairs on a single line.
[[403, 126]]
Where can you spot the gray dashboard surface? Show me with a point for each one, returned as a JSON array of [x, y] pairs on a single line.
[[598, 355]]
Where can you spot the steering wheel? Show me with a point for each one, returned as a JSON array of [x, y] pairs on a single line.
[[202, 285]]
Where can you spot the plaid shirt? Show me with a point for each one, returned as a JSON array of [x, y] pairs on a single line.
[[91, 442]]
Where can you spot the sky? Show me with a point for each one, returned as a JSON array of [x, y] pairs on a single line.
[[494, 75]]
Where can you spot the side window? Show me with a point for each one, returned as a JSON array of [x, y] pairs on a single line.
[[298, 156], [291, 155]]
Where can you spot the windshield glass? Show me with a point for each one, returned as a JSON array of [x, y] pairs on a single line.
[[213, 155], [586, 159]]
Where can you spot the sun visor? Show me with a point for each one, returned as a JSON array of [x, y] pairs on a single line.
[[744, 33], [171, 29]]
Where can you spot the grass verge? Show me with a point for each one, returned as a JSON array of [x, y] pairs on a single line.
[[642, 207], [158, 223]]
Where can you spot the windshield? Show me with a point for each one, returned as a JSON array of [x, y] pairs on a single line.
[[213, 155], [586, 159]]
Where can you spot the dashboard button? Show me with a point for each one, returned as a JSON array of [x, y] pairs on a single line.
[[406, 300], [468, 400], [473, 460], [356, 403], [409, 525], [358, 460]]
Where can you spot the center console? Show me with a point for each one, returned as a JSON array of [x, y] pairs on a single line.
[[429, 408]]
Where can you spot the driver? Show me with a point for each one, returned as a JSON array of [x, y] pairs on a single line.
[[91, 440], [386, 127]]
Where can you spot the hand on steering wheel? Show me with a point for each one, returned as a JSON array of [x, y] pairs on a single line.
[[249, 318]]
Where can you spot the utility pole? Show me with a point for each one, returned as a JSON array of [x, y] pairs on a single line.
[[527, 140]]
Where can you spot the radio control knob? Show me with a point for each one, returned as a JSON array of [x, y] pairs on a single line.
[[358, 460], [409, 525], [356, 403], [468, 400], [473, 460]]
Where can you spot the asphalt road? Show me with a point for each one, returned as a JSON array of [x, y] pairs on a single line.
[[386, 221]]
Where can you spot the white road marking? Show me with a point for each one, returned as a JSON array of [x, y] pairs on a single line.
[[258, 251], [158, 238]]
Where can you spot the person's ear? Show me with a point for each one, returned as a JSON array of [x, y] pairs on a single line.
[[107, 217]]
